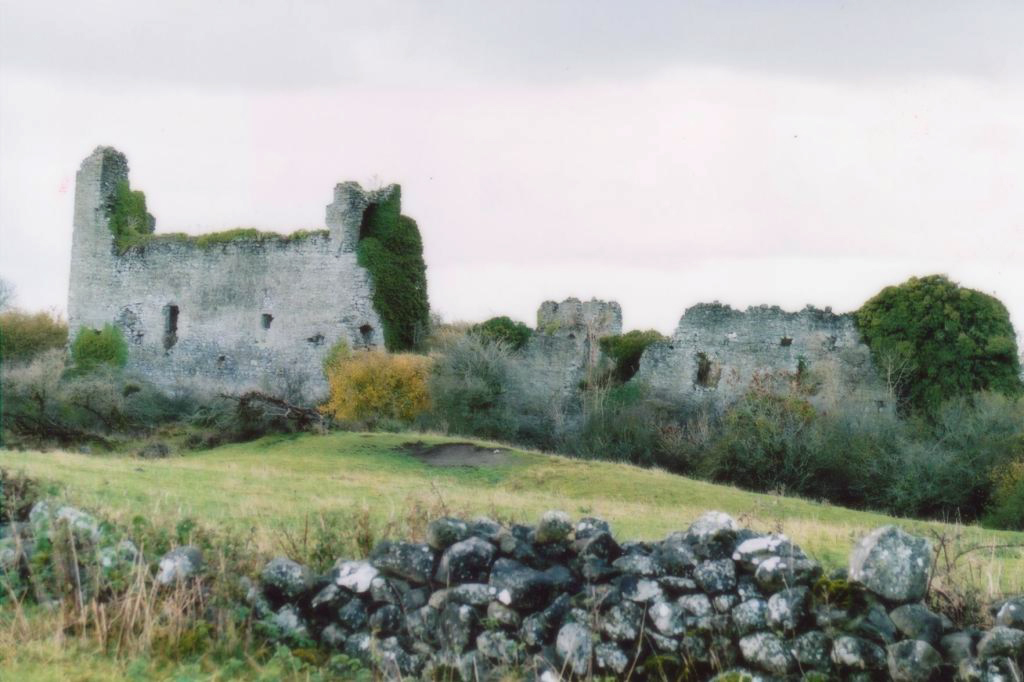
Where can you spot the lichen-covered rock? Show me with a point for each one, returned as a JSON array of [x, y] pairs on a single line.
[[554, 526], [913, 661], [519, 586], [892, 564], [503, 615], [589, 525], [787, 609], [355, 576], [610, 658], [499, 647], [1011, 613], [289, 623], [696, 605], [466, 561], [813, 650], [486, 529], [386, 620], [457, 625], [405, 560], [778, 572], [622, 622], [285, 580], [575, 648], [916, 621], [750, 616], [712, 525], [715, 576], [639, 564], [639, 589], [445, 532], [353, 615], [179, 564], [677, 557], [667, 618], [856, 654], [767, 652], [1001, 641]]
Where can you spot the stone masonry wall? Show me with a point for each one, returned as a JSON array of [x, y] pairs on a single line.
[[246, 314], [717, 352]]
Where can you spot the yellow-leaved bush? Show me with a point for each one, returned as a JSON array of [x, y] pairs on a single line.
[[374, 385]]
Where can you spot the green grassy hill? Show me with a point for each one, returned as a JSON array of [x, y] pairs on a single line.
[[277, 491], [276, 485]]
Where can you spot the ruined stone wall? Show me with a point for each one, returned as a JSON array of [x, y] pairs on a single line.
[[717, 353], [239, 315], [564, 349]]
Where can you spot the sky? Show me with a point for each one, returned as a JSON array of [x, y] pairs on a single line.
[[659, 154]]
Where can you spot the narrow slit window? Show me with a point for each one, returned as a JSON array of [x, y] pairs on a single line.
[[170, 326], [366, 332], [265, 320], [785, 341]]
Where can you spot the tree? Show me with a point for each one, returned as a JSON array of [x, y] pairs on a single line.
[[946, 341], [627, 349], [505, 330]]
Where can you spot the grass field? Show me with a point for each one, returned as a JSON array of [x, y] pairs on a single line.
[[278, 483], [273, 488]]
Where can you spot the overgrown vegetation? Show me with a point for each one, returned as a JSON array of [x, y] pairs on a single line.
[[391, 249], [934, 340], [370, 387], [130, 221], [93, 348], [625, 350], [23, 335], [505, 330]]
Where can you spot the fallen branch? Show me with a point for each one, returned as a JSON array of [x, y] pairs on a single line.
[[304, 417]]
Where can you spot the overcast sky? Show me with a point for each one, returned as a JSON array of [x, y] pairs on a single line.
[[658, 154]]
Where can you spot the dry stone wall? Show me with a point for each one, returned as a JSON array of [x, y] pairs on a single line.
[[232, 316], [563, 600]]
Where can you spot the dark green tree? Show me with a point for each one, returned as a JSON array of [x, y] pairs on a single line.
[[505, 330], [946, 340]]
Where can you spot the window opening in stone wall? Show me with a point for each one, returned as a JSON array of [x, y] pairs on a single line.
[[785, 341], [265, 320], [366, 333], [703, 370], [316, 339], [170, 326]]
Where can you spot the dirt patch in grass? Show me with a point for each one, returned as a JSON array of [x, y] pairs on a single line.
[[457, 454]]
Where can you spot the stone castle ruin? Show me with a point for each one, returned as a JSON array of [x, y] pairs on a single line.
[[246, 313], [260, 312]]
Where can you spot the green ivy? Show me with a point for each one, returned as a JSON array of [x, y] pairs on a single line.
[[391, 249], [626, 350], [940, 340], [503, 329], [130, 222], [94, 347]]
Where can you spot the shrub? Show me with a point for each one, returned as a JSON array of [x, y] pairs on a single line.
[[371, 386], [470, 388], [1007, 510], [130, 222], [94, 347], [23, 336], [948, 340], [391, 249], [626, 350], [504, 329]]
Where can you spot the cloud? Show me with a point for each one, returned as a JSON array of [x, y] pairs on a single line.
[[274, 44]]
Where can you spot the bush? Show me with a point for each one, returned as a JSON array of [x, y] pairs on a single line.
[[23, 336], [93, 348], [1007, 510], [391, 249], [946, 341], [505, 330], [470, 385], [371, 386], [626, 350]]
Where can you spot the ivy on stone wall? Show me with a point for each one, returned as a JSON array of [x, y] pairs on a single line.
[[130, 222], [391, 249]]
